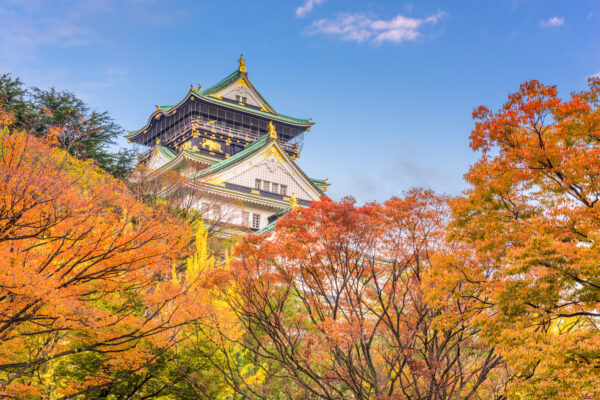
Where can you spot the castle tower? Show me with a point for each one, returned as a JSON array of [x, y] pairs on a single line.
[[229, 141]]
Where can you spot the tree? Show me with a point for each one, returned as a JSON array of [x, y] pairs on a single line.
[[84, 133], [532, 218], [13, 99], [336, 300], [180, 194], [86, 298]]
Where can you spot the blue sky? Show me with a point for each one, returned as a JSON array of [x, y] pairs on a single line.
[[390, 84]]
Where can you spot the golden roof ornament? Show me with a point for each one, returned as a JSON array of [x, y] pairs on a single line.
[[293, 201], [242, 66], [157, 141], [157, 108], [272, 131], [199, 87]]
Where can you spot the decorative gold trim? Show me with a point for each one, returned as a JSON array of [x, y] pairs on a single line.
[[211, 145]]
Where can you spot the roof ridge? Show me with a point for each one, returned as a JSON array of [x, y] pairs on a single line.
[[265, 114], [166, 151], [223, 83], [252, 148]]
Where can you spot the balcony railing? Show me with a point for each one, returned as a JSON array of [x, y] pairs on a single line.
[[196, 123]]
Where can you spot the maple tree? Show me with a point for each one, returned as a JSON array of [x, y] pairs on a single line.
[[532, 219], [336, 299], [84, 283]]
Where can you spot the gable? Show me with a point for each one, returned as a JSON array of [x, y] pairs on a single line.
[[157, 160], [270, 165], [244, 93]]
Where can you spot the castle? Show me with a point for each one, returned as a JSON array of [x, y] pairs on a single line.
[[232, 145]]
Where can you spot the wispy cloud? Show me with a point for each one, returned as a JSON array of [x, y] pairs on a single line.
[[307, 7], [360, 28], [553, 22]]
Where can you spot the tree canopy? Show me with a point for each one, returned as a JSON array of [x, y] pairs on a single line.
[[84, 133], [114, 289]]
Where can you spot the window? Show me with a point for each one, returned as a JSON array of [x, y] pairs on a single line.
[[257, 184], [244, 99], [237, 97], [255, 221], [275, 187], [266, 186], [283, 190], [245, 218]]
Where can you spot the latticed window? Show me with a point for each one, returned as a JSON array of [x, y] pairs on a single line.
[[255, 221], [267, 186], [257, 184], [275, 188], [283, 190], [245, 218]]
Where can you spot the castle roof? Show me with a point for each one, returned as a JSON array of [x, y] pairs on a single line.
[[213, 94]]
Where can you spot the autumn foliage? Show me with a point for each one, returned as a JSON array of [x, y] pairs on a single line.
[[337, 297], [83, 265], [115, 290], [532, 218]]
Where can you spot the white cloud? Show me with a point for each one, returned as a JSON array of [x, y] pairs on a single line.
[[596, 75], [552, 22], [307, 7], [360, 28]]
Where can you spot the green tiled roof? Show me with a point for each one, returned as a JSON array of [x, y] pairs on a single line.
[[202, 156], [275, 117], [267, 229], [271, 226], [223, 83], [166, 151], [251, 149], [206, 94], [245, 194], [231, 79], [319, 181], [307, 178]]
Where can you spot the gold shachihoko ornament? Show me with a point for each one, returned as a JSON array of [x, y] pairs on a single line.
[[293, 201], [272, 131], [242, 66]]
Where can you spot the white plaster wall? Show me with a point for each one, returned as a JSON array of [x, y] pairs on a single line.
[[158, 160], [239, 90], [231, 211], [270, 169]]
